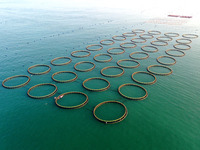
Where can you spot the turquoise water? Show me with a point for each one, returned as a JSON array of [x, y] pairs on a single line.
[[169, 118]]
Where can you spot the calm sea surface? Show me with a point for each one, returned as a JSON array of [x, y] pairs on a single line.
[[168, 119]]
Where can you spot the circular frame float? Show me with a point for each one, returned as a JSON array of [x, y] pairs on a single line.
[[176, 46], [71, 107], [122, 45], [164, 43], [142, 40], [64, 81], [154, 32], [162, 74], [40, 73], [102, 42], [147, 55], [118, 63], [86, 70], [115, 37], [146, 36], [96, 90], [110, 121], [190, 36], [164, 38], [98, 49], [167, 52], [45, 96], [109, 50], [133, 98], [169, 64], [61, 64], [112, 76], [103, 61], [188, 41], [156, 49], [171, 34], [138, 31], [129, 34], [145, 83], [74, 52], [16, 86]]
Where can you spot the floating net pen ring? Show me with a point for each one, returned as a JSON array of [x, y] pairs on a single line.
[[110, 121], [40, 73], [171, 34], [102, 42], [141, 58], [133, 98], [112, 76], [129, 34], [181, 41], [146, 36], [116, 53], [61, 64], [103, 60], [187, 46], [175, 55], [64, 81], [93, 49], [149, 51], [119, 38], [81, 56], [162, 74], [190, 36], [123, 45], [84, 70], [156, 43], [154, 32], [134, 40], [96, 90], [138, 31], [169, 64], [145, 83], [118, 63], [16, 86], [45, 96], [71, 107], [164, 38]]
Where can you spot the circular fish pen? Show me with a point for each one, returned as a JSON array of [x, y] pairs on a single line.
[[138, 30], [138, 40], [104, 42], [181, 46], [39, 73], [154, 32], [159, 43], [145, 83], [163, 63], [116, 48], [146, 36], [119, 38], [171, 34], [133, 98], [190, 36], [61, 64], [64, 81], [145, 47], [129, 60], [84, 62], [175, 50], [80, 51], [164, 38], [140, 58], [71, 107], [129, 34], [103, 61], [89, 47], [123, 45], [16, 86], [99, 89], [110, 121], [44, 96], [184, 41], [116, 75], [156, 73]]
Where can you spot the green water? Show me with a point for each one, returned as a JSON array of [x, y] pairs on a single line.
[[168, 119]]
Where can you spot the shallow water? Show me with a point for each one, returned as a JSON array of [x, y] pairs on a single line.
[[168, 118]]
